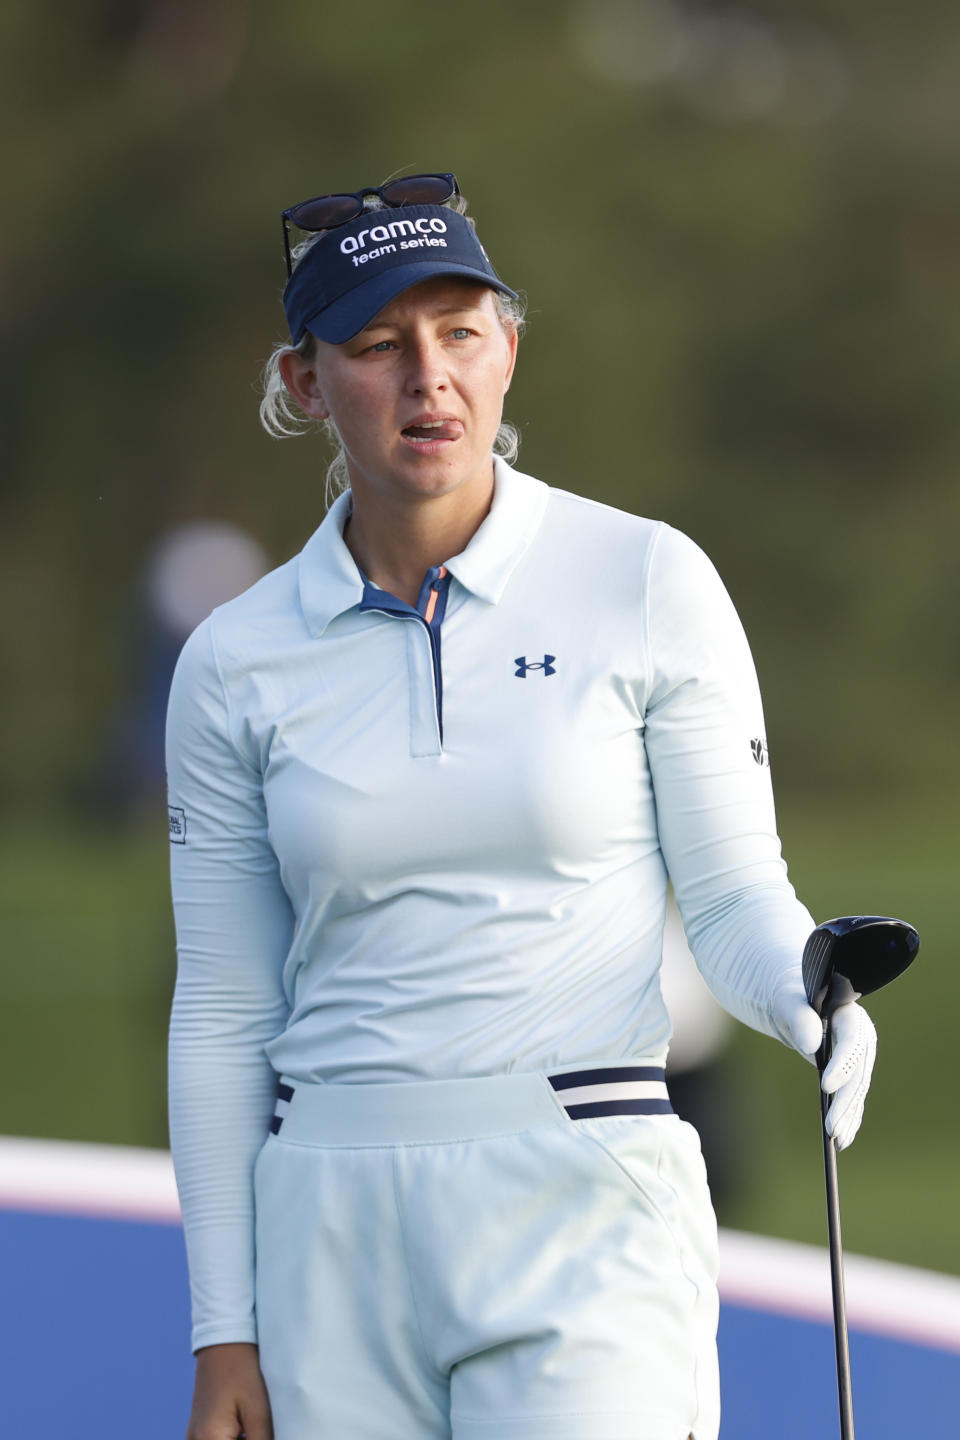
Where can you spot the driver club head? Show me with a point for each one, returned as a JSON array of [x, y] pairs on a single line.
[[865, 951]]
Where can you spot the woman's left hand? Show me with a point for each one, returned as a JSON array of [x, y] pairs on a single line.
[[853, 1042]]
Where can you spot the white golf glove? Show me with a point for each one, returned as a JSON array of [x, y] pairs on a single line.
[[847, 1076]]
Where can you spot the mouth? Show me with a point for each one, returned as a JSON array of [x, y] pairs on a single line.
[[432, 433]]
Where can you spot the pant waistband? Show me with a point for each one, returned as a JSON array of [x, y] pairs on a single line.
[[423, 1112]]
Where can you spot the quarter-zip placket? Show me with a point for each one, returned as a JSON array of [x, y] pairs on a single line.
[[429, 612]]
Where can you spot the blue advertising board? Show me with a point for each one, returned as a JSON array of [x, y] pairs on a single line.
[[94, 1322]]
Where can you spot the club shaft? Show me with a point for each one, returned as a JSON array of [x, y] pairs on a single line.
[[844, 1386]]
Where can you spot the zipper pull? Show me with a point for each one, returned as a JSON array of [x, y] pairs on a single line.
[[435, 595]]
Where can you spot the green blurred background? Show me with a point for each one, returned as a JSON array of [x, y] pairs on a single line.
[[739, 230]]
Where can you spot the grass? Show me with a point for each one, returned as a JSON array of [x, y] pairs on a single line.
[[86, 989], [87, 985], [900, 1181]]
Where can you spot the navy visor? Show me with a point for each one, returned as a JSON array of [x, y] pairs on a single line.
[[352, 272]]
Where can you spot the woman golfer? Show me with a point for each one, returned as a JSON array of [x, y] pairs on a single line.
[[427, 782]]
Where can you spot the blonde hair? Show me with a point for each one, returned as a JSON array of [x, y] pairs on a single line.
[[282, 417]]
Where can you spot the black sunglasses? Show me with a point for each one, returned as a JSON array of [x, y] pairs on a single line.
[[326, 212]]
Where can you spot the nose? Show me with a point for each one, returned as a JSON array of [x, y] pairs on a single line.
[[427, 372]]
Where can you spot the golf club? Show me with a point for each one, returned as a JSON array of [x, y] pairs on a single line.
[[842, 960]]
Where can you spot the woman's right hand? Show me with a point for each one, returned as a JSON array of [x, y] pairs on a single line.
[[229, 1396]]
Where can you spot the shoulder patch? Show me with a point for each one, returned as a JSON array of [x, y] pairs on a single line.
[[178, 825], [759, 750]]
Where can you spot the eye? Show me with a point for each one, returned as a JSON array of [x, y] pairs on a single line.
[[462, 332], [382, 345]]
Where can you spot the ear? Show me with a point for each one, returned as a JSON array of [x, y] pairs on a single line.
[[300, 378], [513, 340]]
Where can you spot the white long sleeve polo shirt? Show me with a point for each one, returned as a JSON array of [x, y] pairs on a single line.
[[411, 850]]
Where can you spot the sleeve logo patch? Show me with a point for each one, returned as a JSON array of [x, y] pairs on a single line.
[[178, 825], [758, 749]]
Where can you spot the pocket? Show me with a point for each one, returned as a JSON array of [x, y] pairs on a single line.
[[629, 1145], [659, 1158]]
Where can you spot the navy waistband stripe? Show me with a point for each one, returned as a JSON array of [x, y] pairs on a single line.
[[597, 1108], [284, 1096], [615, 1075]]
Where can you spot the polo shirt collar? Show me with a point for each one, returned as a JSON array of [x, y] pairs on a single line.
[[331, 582]]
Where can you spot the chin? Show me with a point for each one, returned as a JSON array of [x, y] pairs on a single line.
[[435, 475], [423, 476]]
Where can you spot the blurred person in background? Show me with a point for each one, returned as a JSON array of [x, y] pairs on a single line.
[[427, 781], [188, 571]]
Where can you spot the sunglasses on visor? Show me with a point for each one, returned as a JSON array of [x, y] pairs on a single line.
[[326, 212]]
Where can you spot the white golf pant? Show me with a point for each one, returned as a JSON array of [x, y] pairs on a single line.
[[465, 1259]]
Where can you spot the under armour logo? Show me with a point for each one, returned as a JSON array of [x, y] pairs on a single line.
[[546, 665], [760, 752]]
